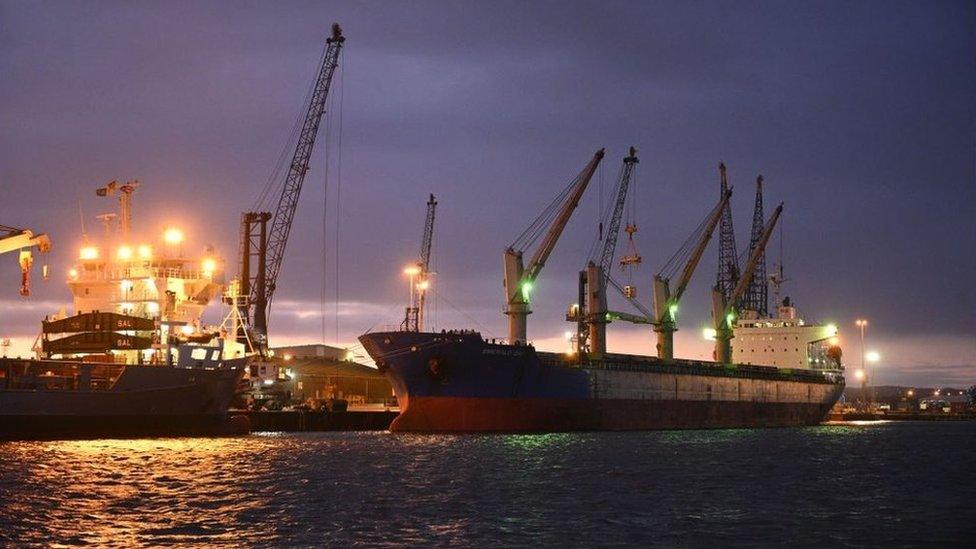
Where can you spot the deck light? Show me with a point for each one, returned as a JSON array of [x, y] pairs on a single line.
[[89, 252], [209, 265], [173, 235], [124, 253]]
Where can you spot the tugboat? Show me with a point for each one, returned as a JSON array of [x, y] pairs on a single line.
[[134, 358]]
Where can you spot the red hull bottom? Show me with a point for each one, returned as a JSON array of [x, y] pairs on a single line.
[[512, 415]]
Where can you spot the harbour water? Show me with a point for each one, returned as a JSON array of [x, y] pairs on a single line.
[[833, 485]]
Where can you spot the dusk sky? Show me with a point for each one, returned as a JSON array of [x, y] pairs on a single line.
[[861, 116]]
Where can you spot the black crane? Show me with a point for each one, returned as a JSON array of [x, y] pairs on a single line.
[[591, 327], [414, 320], [757, 295], [269, 245], [728, 259]]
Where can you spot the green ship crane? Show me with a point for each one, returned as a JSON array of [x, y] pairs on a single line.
[[723, 307], [665, 302], [519, 280]]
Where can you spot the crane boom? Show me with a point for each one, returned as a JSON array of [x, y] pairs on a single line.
[[593, 325], [541, 255], [519, 279], [284, 213], [613, 230], [425, 263], [428, 235], [723, 308]]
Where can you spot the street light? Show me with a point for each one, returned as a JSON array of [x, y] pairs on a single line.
[[412, 271], [863, 374]]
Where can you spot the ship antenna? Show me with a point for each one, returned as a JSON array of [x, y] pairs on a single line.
[[777, 278], [81, 217]]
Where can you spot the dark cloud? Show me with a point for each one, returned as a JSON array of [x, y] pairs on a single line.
[[859, 115]]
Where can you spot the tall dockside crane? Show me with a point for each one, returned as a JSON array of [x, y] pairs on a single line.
[[592, 325], [518, 279], [728, 259], [416, 311], [269, 245], [665, 302], [724, 307], [23, 239], [757, 296]]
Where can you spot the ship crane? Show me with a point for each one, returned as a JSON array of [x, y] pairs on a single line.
[[665, 302], [592, 324], [519, 280], [723, 307], [12, 239], [416, 311], [268, 246]]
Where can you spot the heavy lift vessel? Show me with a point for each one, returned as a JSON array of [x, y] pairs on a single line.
[[457, 381]]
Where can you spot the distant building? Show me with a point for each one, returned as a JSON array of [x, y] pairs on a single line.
[[319, 372], [315, 350]]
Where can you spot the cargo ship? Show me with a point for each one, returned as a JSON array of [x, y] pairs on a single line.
[[457, 381], [134, 358]]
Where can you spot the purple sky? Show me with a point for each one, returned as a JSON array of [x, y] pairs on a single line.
[[861, 116]]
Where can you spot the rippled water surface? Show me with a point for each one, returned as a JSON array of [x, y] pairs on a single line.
[[901, 483]]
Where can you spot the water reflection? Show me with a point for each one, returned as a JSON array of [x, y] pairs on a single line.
[[674, 487]]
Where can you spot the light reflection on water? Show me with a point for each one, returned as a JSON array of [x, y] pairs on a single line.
[[831, 485]]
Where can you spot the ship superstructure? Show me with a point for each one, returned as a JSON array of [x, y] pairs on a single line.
[[134, 296], [786, 341]]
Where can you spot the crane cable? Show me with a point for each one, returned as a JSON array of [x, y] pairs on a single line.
[[542, 222], [680, 257], [325, 202], [342, 95], [275, 182]]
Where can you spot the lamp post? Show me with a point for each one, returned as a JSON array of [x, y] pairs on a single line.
[[862, 324], [410, 324]]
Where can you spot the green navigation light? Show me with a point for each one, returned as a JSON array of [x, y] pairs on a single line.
[[526, 288]]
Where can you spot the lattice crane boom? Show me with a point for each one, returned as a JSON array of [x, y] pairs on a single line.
[[424, 279], [757, 295], [613, 229], [723, 308]]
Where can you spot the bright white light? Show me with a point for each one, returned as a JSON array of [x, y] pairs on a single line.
[[173, 235], [568, 335], [859, 374], [89, 252], [872, 356], [411, 270], [209, 265], [145, 252], [186, 329], [124, 253], [709, 334]]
